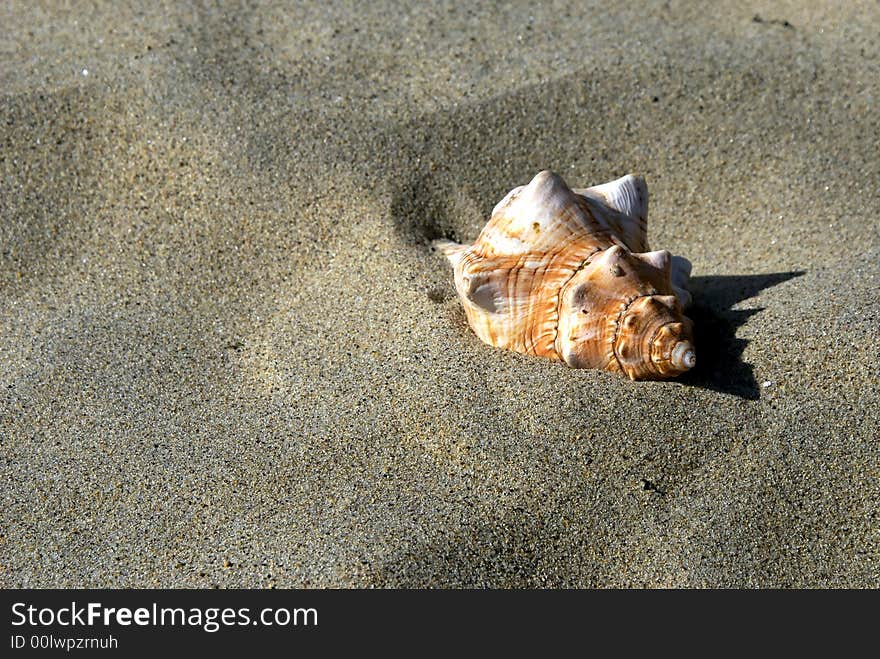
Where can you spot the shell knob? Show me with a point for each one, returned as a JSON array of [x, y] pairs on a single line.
[[683, 356]]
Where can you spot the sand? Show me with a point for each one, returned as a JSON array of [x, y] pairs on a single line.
[[229, 357]]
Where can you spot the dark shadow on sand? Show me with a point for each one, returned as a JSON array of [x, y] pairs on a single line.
[[422, 212], [720, 366]]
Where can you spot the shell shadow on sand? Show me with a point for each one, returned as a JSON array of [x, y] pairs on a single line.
[[720, 366]]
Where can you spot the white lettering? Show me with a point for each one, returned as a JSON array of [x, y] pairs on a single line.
[[76, 614], [15, 611], [305, 613]]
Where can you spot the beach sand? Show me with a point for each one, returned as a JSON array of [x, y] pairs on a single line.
[[229, 357]]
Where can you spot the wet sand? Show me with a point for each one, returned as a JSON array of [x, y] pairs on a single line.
[[229, 357]]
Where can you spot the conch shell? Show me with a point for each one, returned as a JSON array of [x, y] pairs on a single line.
[[567, 274]]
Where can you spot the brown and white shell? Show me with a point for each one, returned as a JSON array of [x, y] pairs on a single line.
[[566, 274]]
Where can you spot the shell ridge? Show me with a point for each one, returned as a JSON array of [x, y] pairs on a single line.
[[623, 309], [631, 230], [538, 216], [535, 329], [628, 195], [537, 282], [582, 265], [572, 271], [512, 307]]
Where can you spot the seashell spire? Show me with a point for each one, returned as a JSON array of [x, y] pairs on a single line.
[[565, 274]]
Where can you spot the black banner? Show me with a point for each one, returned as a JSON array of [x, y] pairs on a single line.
[[127, 621]]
